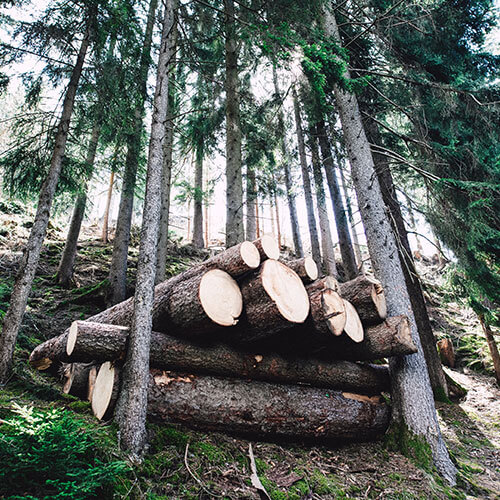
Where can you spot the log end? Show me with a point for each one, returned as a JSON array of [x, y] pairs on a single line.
[[73, 333], [334, 309], [269, 246], [220, 297], [286, 289], [311, 268], [250, 255], [378, 297], [403, 334], [353, 327], [103, 389], [331, 283], [40, 364]]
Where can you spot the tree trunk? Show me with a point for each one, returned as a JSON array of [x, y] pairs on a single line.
[[290, 192], [251, 229], [65, 269], [97, 342], [355, 240], [198, 201], [278, 224], [492, 346], [27, 269], [410, 380], [257, 223], [105, 222], [345, 244], [417, 299], [262, 409], [131, 407], [311, 219], [367, 296], [234, 183], [118, 270], [329, 264]]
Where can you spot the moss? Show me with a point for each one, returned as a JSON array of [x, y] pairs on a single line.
[[440, 395], [80, 407], [214, 454], [168, 436], [400, 438]]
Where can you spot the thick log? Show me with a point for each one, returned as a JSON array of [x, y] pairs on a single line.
[[275, 299], [45, 354], [328, 314], [200, 305], [237, 260], [76, 379], [305, 267], [263, 409], [105, 391], [268, 247], [327, 282], [109, 342], [353, 326], [367, 296]]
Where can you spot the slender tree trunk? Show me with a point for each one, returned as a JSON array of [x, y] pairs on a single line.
[[118, 270], [290, 193], [410, 380], [492, 345], [257, 222], [65, 269], [278, 225], [27, 269], [417, 299], [413, 224], [132, 401], [105, 222], [198, 201], [311, 219], [345, 244], [251, 229], [234, 182], [324, 223], [355, 239]]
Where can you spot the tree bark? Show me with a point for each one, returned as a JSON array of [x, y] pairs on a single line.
[[234, 183], [76, 377], [131, 406], [328, 252], [410, 380], [263, 409], [311, 219], [65, 269], [345, 243], [251, 229], [24, 280], [492, 345], [118, 270], [367, 296], [105, 222], [198, 201], [290, 192], [100, 343]]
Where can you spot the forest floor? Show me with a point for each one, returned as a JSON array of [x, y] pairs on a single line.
[[188, 464]]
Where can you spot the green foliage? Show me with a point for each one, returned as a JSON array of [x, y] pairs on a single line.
[[51, 454], [5, 290]]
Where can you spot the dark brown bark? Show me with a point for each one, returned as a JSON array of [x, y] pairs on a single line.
[[76, 377], [345, 243], [118, 270], [367, 296], [24, 279], [263, 409], [49, 353], [311, 218], [65, 269], [234, 183], [98, 342]]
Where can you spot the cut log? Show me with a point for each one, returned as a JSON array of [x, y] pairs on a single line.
[[367, 296], [175, 354], [262, 409], [353, 326], [105, 392], [327, 282], [305, 267], [268, 247], [446, 352], [237, 260], [45, 354], [76, 379], [200, 305], [275, 299], [328, 313]]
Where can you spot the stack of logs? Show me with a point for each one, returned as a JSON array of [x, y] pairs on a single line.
[[247, 343]]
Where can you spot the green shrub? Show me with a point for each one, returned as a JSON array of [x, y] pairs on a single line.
[[52, 454]]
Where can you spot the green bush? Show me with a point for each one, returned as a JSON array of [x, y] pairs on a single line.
[[52, 454]]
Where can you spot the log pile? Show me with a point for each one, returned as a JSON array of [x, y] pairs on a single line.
[[250, 344]]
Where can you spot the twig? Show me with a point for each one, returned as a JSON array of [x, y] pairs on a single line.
[[254, 478], [200, 484]]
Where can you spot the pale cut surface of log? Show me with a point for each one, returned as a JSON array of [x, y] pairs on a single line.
[[367, 296], [268, 247], [353, 326], [275, 299], [305, 267], [105, 391], [327, 282], [171, 353], [262, 409], [236, 260], [201, 305], [327, 313]]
